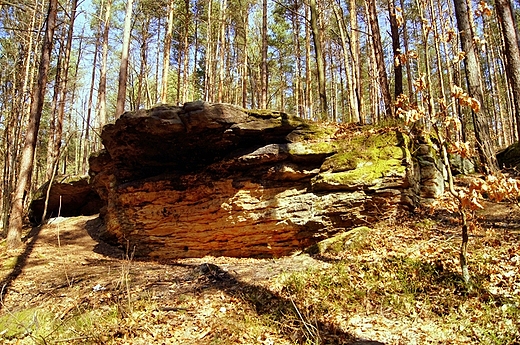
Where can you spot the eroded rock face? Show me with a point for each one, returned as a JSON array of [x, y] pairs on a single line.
[[214, 179], [69, 196]]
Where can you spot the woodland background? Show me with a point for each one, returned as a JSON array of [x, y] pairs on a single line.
[[70, 67]]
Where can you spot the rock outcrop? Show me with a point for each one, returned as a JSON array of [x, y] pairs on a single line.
[[509, 157], [215, 179], [69, 196]]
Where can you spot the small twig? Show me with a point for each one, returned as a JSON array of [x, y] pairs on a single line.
[[69, 339], [311, 329]]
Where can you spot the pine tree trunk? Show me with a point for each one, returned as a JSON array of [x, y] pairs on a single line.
[[186, 54], [406, 49], [123, 68], [320, 61], [102, 89], [296, 26], [245, 62], [512, 53], [352, 99], [166, 55], [380, 62], [222, 52], [263, 64], [309, 109], [396, 48], [208, 76], [141, 78], [14, 234], [62, 89], [481, 127]]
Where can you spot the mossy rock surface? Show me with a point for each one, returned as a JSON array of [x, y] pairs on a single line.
[[361, 149], [365, 161], [342, 242], [312, 132]]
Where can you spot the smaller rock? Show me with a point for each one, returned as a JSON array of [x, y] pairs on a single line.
[[461, 165], [69, 196], [341, 242], [510, 156]]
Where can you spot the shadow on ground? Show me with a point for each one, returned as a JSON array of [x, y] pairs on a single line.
[[276, 308], [279, 309], [21, 262]]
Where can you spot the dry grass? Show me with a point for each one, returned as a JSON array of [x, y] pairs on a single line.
[[398, 283]]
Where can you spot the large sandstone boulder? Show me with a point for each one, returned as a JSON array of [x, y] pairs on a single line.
[[215, 179]]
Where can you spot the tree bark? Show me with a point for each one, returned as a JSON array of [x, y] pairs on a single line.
[[123, 68], [264, 81], [396, 48], [222, 51], [512, 52], [62, 89], [406, 49], [245, 62], [208, 72], [186, 53], [102, 89], [309, 109], [356, 64], [320, 62], [380, 62], [471, 66], [14, 233]]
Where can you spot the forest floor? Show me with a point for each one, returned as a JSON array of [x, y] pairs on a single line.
[[397, 283]]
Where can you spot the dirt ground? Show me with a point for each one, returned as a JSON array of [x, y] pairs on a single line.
[[64, 268]]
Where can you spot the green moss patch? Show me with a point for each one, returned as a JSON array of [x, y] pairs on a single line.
[[363, 161], [345, 241], [360, 150]]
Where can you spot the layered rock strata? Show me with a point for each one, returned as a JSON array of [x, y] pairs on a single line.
[[215, 179]]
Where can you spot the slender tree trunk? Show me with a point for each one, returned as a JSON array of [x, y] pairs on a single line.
[[512, 53], [378, 51], [396, 48], [86, 141], [356, 64], [53, 111], [352, 95], [245, 24], [208, 75], [407, 49], [263, 64], [186, 54], [123, 68], [308, 73], [427, 75], [320, 61], [222, 51], [484, 143], [102, 89], [22, 106], [142, 76], [296, 26], [56, 145], [14, 234], [506, 134]]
